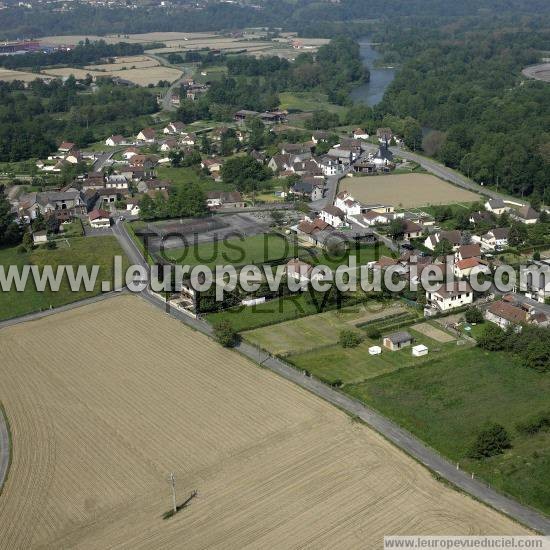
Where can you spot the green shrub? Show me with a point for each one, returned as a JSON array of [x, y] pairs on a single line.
[[373, 333], [225, 334], [491, 441], [349, 339], [535, 424], [493, 338], [474, 315]]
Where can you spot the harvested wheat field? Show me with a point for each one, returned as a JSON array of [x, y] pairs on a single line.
[[139, 76], [406, 190], [105, 400], [9, 75]]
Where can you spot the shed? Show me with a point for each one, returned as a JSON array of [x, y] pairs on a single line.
[[40, 237], [397, 340], [420, 350], [375, 350]]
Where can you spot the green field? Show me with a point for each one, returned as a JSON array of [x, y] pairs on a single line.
[[82, 251], [351, 366], [307, 101], [308, 333], [446, 402], [272, 312], [249, 250], [182, 176]]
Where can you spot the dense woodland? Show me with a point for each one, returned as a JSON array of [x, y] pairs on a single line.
[[479, 115], [310, 17], [33, 121], [82, 54]]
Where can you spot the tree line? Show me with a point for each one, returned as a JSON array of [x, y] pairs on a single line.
[[84, 53]]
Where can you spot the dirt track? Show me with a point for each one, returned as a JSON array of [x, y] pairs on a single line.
[[106, 400]]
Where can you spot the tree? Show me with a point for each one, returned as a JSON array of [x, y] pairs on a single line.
[[349, 339], [492, 440], [28, 242], [243, 170], [225, 335], [443, 248], [474, 315], [277, 217], [518, 234], [412, 133], [493, 338], [537, 354], [396, 229], [10, 232]]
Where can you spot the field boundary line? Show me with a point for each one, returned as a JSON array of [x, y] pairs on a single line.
[[67, 307]]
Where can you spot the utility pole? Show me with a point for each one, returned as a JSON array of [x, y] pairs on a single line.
[[172, 482]]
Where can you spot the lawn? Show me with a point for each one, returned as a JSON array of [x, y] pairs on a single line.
[[307, 101], [354, 365], [256, 249], [362, 254], [445, 403], [182, 176], [274, 311], [301, 335], [82, 251]]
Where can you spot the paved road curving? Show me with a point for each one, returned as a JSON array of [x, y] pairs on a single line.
[[400, 437], [5, 450]]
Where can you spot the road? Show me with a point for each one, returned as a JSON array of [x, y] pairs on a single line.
[[4, 448], [400, 437], [331, 187], [101, 160], [167, 104]]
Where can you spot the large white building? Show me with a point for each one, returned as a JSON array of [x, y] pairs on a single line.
[[459, 294]]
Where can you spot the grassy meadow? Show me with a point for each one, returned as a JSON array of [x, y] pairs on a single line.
[[82, 251]]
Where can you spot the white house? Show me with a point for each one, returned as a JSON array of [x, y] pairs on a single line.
[[301, 271], [116, 181], [496, 238], [189, 139], [454, 237], [457, 295], [384, 135], [372, 218], [147, 135], [129, 153], [113, 141], [330, 166], [169, 145], [333, 216], [99, 218], [359, 133], [469, 266], [176, 127], [345, 202], [132, 207], [497, 206], [74, 157], [526, 214]]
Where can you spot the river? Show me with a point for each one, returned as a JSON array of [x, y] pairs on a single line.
[[372, 92]]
